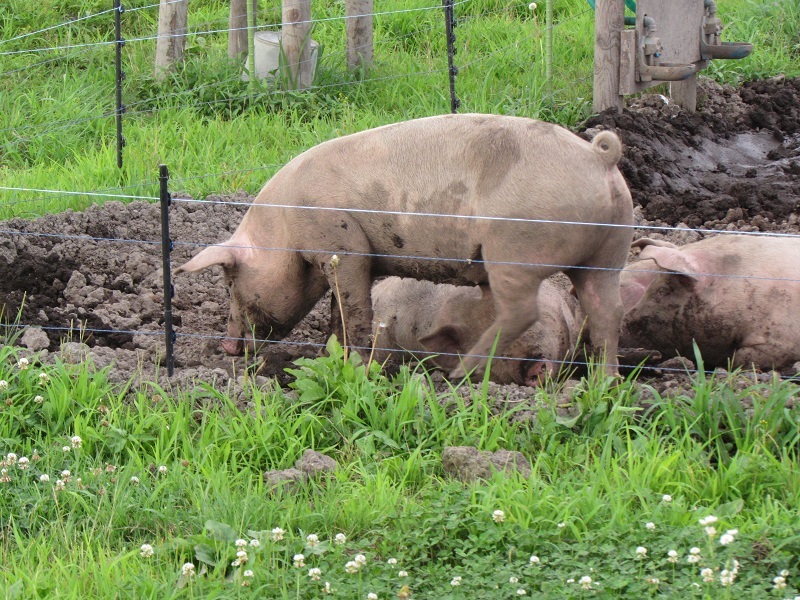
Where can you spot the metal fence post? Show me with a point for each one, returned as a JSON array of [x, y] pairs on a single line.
[[166, 249], [120, 42], [452, 70]]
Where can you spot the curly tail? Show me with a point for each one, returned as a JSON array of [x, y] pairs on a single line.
[[607, 145]]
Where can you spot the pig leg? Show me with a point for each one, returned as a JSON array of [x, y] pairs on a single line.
[[599, 295], [515, 296], [349, 277]]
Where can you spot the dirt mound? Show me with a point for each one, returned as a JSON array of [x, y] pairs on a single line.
[[736, 160], [95, 277]]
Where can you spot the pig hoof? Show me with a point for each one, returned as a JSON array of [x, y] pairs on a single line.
[[457, 373]]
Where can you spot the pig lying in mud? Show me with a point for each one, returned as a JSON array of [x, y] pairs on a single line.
[[421, 318], [505, 186], [737, 296]]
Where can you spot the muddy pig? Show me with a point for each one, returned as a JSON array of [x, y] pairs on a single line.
[[498, 195], [421, 317], [737, 296]]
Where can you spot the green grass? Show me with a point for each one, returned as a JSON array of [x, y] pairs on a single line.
[[203, 125], [182, 472]]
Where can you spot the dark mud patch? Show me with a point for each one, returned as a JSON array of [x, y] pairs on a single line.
[[95, 277]]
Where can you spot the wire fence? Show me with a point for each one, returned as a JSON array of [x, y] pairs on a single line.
[[20, 133]]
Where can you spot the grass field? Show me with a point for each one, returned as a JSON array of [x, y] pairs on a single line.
[[111, 492]]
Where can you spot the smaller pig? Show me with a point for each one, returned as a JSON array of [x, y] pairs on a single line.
[[736, 296], [422, 318]]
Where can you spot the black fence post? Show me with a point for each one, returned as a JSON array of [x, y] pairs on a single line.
[[166, 249], [452, 70], [120, 42]]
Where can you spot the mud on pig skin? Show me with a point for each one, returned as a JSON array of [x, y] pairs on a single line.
[[528, 177], [420, 317], [737, 296]]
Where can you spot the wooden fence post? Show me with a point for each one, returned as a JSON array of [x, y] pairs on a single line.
[[172, 27], [237, 28], [609, 21], [359, 34], [296, 42]]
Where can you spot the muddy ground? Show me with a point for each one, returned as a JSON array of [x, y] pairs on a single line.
[[95, 277]]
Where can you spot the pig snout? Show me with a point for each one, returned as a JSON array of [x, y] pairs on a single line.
[[535, 374], [232, 346]]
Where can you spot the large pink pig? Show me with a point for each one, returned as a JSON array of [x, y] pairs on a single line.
[[736, 296], [465, 199]]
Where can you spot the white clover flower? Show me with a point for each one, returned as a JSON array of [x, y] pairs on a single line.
[[783, 573], [335, 261], [187, 570], [327, 589], [254, 543], [456, 581], [134, 480], [38, 399], [707, 575], [23, 364], [666, 498], [779, 583], [586, 582], [532, 6], [693, 559], [641, 552], [3, 385], [146, 550], [66, 474], [726, 578], [498, 516], [372, 596], [44, 477], [694, 550], [711, 531], [11, 458], [521, 592], [66, 448], [249, 574], [299, 561], [162, 470], [402, 573], [4, 478], [513, 579], [360, 559], [391, 562], [43, 378], [732, 532], [653, 580], [60, 485], [24, 463], [673, 556], [315, 573], [240, 543], [312, 540], [534, 560], [650, 526], [726, 539], [242, 555], [340, 539], [709, 520], [570, 580], [351, 567], [277, 534], [562, 525]]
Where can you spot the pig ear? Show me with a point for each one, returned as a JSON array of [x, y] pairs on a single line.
[[671, 259], [446, 340], [644, 242], [213, 255]]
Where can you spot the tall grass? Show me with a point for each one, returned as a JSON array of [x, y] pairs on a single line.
[[58, 127]]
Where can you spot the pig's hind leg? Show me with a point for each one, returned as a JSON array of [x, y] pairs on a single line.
[[599, 294], [515, 292]]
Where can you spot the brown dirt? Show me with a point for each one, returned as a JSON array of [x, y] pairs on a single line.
[[735, 164]]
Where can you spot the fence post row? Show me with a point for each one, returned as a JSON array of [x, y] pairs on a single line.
[[120, 42], [166, 249], [452, 70]]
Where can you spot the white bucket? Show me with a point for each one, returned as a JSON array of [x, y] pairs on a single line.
[[268, 55]]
